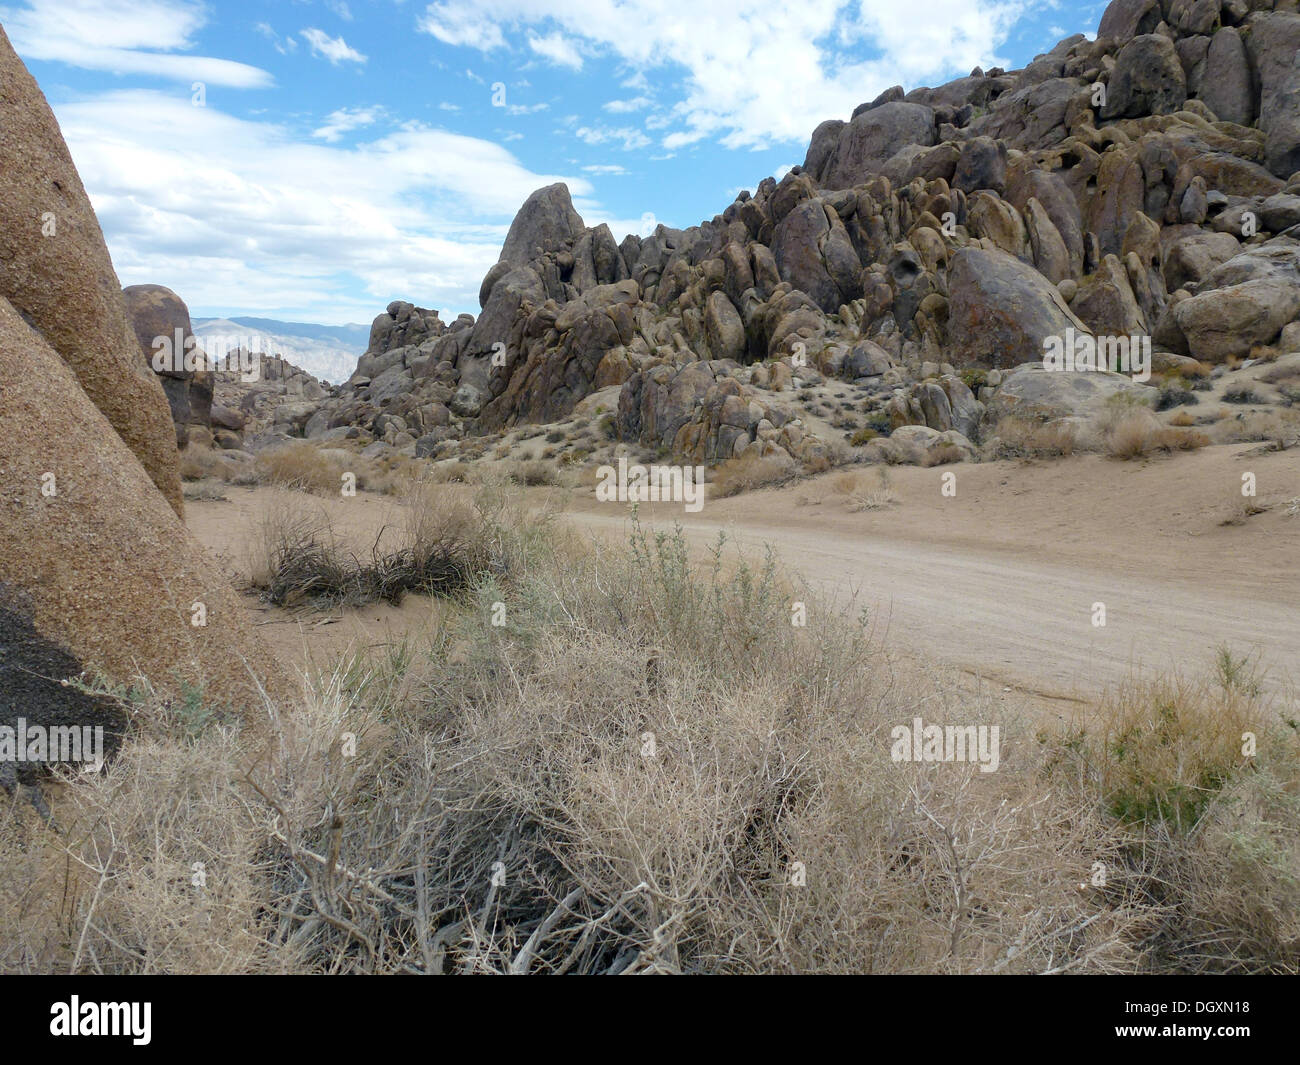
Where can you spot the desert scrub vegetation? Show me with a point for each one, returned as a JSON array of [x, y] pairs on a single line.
[[632, 762], [747, 472], [439, 548]]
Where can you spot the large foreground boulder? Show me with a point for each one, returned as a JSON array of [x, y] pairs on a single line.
[[56, 273], [91, 551]]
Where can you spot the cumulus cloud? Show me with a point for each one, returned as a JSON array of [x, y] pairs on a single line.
[[143, 38], [345, 120], [756, 74], [459, 24], [622, 107], [335, 49], [631, 139], [558, 49], [235, 213]]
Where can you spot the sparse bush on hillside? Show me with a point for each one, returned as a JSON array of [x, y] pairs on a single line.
[[1023, 438], [747, 472]]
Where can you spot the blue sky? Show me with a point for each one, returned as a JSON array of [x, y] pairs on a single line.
[[344, 153]]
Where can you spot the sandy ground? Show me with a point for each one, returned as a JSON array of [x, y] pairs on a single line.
[[999, 579]]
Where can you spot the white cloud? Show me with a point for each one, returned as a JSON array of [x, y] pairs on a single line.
[[459, 23], [241, 215], [345, 120], [283, 45], [335, 49], [755, 74], [604, 168], [340, 8], [142, 38], [525, 109], [446, 106], [622, 107], [632, 139], [558, 49]]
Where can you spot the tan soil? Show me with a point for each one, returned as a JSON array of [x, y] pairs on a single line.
[[999, 580]]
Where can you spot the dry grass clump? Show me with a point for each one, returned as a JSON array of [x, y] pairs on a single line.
[[634, 763], [200, 464], [862, 494], [747, 472], [303, 467], [1137, 434], [942, 455], [208, 490], [535, 473], [1278, 428], [442, 552], [1022, 438], [1206, 774]]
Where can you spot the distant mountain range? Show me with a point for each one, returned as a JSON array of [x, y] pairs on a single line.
[[326, 351]]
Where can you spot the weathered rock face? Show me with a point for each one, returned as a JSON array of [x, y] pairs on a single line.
[[56, 273], [1274, 45], [1035, 393], [155, 311], [1227, 86], [872, 138], [562, 356], [1231, 320], [1002, 311], [91, 547], [1148, 79], [545, 223], [701, 414]]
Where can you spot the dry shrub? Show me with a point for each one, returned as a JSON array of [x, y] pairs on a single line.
[[943, 454], [863, 496], [846, 483], [1022, 438], [535, 473], [649, 769], [446, 547], [747, 472], [301, 466], [1137, 434], [1279, 428], [208, 490], [1213, 855], [1182, 419], [1132, 436]]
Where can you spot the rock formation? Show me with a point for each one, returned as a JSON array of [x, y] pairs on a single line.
[[97, 571], [1145, 183]]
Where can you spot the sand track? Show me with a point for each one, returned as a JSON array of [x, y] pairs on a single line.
[[1000, 579]]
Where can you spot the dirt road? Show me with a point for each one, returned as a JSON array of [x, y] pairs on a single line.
[[1004, 578], [1001, 578]]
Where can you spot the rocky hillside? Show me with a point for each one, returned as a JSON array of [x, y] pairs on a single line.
[[1142, 184]]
